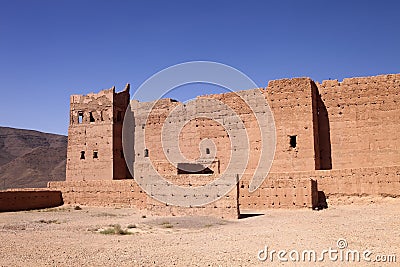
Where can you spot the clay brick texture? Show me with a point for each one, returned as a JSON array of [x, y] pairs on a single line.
[[15, 200], [364, 121], [127, 193], [95, 136], [337, 137]]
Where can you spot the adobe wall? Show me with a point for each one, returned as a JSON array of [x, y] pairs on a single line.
[[226, 206], [292, 106], [121, 193], [336, 125], [28, 199], [280, 191], [341, 130], [87, 137], [300, 189], [374, 181], [364, 120], [127, 193]]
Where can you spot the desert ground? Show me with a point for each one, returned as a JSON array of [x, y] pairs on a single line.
[[93, 236]]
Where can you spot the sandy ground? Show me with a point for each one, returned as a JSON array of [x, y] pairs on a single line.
[[68, 237]]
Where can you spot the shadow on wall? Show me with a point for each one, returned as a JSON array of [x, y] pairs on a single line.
[[128, 141], [249, 215], [322, 204], [324, 135]]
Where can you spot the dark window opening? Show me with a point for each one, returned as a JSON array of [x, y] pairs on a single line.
[[293, 141], [122, 154], [193, 168], [91, 118], [146, 153], [207, 151], [119, 116], [101, 116], [95, 154], [82, 154], [80, 117]]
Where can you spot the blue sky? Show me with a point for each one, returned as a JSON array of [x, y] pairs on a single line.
[[52, 49]]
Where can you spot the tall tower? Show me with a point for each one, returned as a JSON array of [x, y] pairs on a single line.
[[95, 136]]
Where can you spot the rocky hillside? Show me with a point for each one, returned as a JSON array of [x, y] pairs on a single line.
[[31, 158]]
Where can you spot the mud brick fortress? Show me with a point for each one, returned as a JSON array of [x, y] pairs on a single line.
[[332, 139]]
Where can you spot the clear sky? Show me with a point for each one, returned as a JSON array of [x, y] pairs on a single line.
[[52, 49]]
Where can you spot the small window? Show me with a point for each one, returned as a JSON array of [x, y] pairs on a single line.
[[91, 118], [101, 116], [146, 153], [80, 117], [193, 168], [122, 154], [293, 141], [207, 151], [119, 116], [95, 154], [82, 154]]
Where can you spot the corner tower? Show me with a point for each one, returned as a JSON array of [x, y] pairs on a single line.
[[95, 136]]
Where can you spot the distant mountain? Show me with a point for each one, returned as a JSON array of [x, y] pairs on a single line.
[[31, 158]]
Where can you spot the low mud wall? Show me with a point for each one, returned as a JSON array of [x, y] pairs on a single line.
[[16, 200]]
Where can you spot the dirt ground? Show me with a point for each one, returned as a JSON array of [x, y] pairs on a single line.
[[93, 236]]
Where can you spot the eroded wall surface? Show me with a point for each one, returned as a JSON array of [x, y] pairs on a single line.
[[339, 136], [95, 136], [291, 101], [127, 193], [28, 199], [374, 181], [364, 120]]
